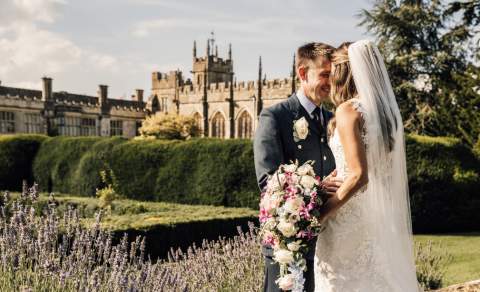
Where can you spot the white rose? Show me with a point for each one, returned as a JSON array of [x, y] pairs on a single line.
[[286, 282], [290, 167], [300, 127], [269, 202], [308, 181], [293, 205], [306, 169], [269, 224], [283, 256], [286, 228], [294, 246], [275, 183]]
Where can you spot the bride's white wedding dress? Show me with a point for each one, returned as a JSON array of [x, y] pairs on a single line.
[[367, 246], [344, 258]]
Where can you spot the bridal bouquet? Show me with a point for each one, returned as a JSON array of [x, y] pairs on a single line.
[[289, 211]]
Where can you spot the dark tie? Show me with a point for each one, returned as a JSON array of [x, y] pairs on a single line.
[[317, 115]]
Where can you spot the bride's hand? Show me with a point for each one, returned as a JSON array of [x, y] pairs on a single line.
[[331, 183]]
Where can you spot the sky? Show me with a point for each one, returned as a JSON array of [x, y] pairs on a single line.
[[84, 43]]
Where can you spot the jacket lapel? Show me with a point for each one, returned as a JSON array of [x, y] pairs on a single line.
[[297, 111]]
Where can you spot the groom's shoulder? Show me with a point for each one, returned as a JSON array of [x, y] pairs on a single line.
[[278, 108]]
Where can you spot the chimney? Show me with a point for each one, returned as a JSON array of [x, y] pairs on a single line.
[[102, 94], [47, 88], [139, 95]]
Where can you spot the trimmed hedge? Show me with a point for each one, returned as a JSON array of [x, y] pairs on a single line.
[[16, 158], [443, 174], [197, 171], [444, 184]]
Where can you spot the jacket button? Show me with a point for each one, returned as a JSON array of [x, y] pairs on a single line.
[[324, 157], [299, 146]]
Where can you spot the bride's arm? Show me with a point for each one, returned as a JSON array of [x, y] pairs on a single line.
[[349, 124]]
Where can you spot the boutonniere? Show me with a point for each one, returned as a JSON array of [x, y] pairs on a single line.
[[300, 129]]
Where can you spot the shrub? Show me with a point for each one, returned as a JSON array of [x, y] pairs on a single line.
[[444, 181], [431, 261], [72, 164], [443, 174], [16, 158], [169, 126]]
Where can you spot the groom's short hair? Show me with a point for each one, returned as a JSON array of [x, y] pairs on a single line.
[[310, 52]]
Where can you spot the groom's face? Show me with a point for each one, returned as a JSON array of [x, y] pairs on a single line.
[[316, 83]]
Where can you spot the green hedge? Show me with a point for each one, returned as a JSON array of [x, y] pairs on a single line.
[[443, 174], [16, 158], [198, 171], [444, 184]]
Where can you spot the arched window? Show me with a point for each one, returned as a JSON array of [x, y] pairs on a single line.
[[198, 120], [218, 125], [155, 104], [244, 126]]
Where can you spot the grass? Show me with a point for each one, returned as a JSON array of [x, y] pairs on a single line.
[[465, 249], [126, 214]]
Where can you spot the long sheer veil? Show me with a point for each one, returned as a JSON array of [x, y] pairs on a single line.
[[386, 196]]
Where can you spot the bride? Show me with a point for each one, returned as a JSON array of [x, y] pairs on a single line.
[[367, 244]]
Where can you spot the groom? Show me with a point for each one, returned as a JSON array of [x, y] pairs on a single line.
[[274, 142]]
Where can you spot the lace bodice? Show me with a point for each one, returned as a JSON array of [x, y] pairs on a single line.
[[344, 260]]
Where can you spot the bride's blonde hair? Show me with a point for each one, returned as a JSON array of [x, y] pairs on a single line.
[[342, 88], [342, 85]]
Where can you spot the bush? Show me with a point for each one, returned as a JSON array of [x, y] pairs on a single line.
[[431, 261], [476, 148], [169, 126], [72, 164], [444, 181], [443, 174], [16, 158]]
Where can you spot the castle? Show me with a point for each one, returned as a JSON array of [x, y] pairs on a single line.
[[221, 106]]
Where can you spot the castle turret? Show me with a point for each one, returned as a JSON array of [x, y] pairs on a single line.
[[194, 49], [218, 69], [259, 102]]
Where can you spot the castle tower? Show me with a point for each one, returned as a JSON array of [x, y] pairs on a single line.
[[217, 69]]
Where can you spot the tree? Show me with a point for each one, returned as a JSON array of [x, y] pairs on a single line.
[[430, 64]]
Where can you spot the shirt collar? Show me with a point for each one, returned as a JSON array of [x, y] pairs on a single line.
[[307, 104]]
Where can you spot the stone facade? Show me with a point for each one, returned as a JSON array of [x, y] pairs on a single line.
[[222, 106], [63, 113]]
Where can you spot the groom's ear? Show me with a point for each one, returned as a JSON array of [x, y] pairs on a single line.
[[302, 72]]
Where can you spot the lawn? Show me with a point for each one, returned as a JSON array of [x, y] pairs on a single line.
[[465, 249], [127, 214]]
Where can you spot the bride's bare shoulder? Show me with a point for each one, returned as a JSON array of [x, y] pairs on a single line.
[[347, 112]]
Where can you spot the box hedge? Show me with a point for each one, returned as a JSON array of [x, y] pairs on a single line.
[[16, 158], [443, 174]]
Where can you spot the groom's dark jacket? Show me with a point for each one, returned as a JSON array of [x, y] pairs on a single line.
[[274, 144]]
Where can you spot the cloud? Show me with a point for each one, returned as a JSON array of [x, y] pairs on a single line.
[[29, 52], [29, 10]]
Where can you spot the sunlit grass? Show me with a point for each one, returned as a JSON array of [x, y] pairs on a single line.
[[465, 249]]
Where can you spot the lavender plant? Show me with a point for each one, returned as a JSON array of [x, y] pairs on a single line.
[[54, 252], [42, 250]]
